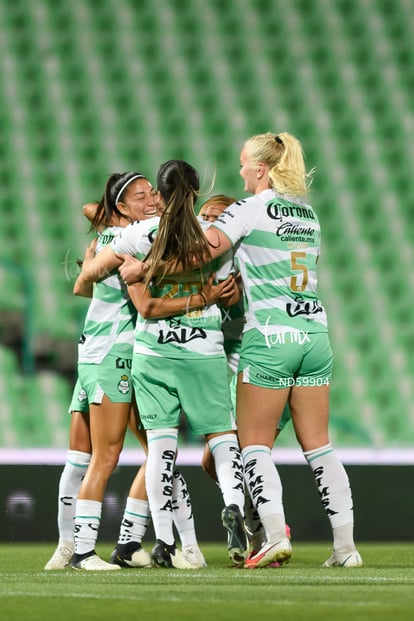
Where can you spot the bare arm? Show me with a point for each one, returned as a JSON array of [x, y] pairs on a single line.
[[156, 308], [219, 244], [232, 295], [218, 241], [95, 268], [85, 289], [131, 269], [89, 210]]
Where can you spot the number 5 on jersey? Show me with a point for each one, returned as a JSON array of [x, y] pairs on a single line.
[[298, 266]]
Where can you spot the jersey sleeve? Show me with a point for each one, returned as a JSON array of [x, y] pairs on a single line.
[[237, 221], [226, 266], [223, 265], [135, 239]]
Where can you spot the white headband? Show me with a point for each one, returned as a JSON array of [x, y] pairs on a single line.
[[118, 196]]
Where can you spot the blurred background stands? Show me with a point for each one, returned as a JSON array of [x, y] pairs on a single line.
[[97, 86]]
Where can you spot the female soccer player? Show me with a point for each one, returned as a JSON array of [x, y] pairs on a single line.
[[178, 359], [105, 353], [285, 352]]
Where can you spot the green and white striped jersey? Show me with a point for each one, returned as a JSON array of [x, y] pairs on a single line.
[[276, 240], [191, 335], [110, 320]]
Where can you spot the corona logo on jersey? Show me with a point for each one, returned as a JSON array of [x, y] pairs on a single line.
[[123, 384], [279, 210]]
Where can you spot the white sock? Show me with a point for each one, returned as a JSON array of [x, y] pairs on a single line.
[[229, 468], [343, 538], [87, 520], [134, 521], [265, 487], [333, 486], [162, 451], [69, 484], [183, 511], [252, 521]]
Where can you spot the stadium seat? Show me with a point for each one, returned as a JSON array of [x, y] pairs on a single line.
[[98, 87]]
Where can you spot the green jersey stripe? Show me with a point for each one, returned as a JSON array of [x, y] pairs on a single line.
[[110, 320]]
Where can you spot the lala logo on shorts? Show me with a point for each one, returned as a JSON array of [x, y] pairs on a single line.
[[123, 384]]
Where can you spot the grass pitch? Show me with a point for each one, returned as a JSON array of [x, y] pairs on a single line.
[[302, 591]]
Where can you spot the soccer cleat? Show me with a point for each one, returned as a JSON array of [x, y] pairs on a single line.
[[61, 557], [168, 557], [269, 554], [258, 538], [92, 562], [130, 554], [194, 556], [237, 543], [274, 565], [344, 559]]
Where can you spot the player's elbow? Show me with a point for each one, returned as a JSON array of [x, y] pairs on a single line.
[[145, 310], [78, 287]]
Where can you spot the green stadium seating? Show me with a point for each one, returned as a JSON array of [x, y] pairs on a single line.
[[33, 412], [89, 88]]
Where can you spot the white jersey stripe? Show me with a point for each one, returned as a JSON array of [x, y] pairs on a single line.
[[111, 316], [277, 241]]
